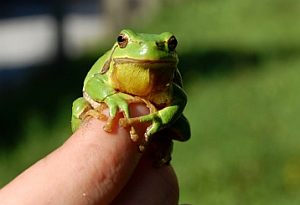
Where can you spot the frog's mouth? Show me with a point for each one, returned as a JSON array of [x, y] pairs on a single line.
[[142, 77]]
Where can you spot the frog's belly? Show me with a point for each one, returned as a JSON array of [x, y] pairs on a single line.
[[141, 79]]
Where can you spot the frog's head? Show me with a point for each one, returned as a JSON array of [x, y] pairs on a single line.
[[145, 47], [142, 63]]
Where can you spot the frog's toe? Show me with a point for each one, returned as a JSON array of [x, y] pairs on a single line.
[[126, 122], [94, 114], [112, 110], [133, 134], [151, 130], [125, 109], [109, 124]]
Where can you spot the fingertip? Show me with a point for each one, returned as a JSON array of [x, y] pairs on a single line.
[[92, 166], [138, 109], [150, 185]]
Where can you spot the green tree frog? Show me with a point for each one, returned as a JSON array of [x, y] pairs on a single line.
[[140, 68]]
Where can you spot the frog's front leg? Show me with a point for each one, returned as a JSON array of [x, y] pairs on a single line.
[[116, 102], [166, 116], [129, 121], [97, 90]]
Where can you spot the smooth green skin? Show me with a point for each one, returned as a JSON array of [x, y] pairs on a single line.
[[99, 87]]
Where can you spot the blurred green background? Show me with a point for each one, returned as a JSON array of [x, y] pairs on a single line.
[[240, 62]]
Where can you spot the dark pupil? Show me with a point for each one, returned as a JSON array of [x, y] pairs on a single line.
[[172, 43], [121, 39]]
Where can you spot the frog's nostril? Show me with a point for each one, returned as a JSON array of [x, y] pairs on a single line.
[[160, 45]]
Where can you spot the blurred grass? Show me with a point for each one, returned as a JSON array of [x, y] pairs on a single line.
[[245, 144], [257, 25], [38, 139], [244, 117]]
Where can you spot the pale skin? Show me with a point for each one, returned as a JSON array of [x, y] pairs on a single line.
[[95, 167]]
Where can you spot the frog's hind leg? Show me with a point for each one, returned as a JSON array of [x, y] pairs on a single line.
[[83, 110], [80, 106]]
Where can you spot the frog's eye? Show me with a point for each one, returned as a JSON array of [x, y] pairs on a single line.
[[172, 43], [122, 40]]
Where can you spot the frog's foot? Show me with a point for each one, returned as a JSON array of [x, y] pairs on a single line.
[[152, 129], [126, 123], [95, 113], [129, 122], [133, 134], [98, 114], [155, 126]]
